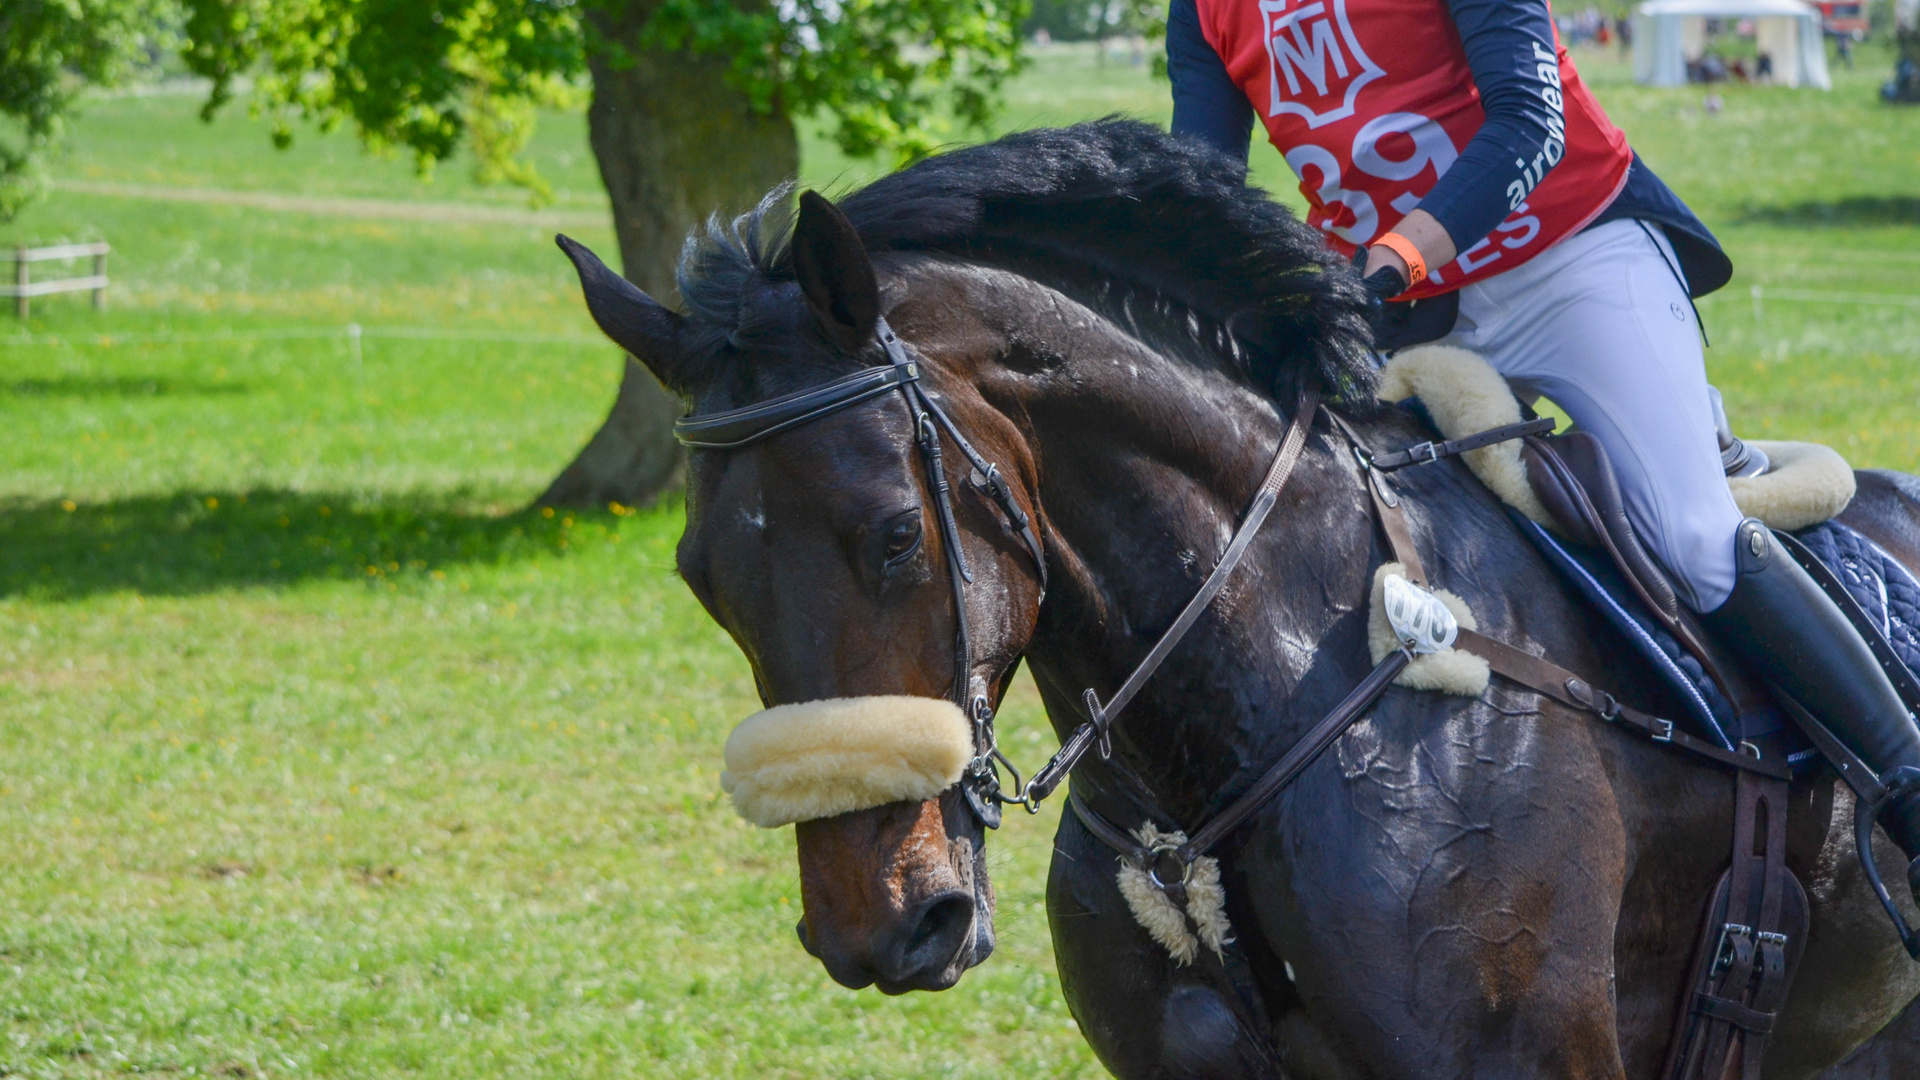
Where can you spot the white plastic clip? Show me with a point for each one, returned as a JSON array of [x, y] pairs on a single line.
[[1420, 621]]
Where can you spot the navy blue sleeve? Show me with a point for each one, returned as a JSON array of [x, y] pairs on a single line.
[[1206, 103], [1509, 46]]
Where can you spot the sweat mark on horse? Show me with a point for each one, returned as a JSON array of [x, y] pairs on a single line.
[[1484, 887]]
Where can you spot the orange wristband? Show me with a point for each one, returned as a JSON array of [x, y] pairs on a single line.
[[1403, 247]]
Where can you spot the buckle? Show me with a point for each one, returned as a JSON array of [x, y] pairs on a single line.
[[1420, 453], [1603, 704], [1723, 950], [1767, 937], [1663, 730]]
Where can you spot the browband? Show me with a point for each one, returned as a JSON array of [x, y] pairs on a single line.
[[744, 426]]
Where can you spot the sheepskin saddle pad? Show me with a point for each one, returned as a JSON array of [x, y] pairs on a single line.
[[819, 759], [1807, 485]]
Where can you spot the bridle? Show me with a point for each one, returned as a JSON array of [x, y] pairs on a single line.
[[980, 781], [737, 428]]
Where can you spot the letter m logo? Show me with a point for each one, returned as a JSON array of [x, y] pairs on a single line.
[[1315, 65]]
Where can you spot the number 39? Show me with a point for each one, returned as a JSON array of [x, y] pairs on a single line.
[[1431, 146]]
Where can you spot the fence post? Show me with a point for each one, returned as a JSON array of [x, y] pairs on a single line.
[[20, 276], [100, 271]]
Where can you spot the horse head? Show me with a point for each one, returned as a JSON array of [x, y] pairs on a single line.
[[820, 548]]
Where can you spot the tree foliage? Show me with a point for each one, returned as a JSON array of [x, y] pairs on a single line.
[[878, 68], [419, 75], [1097, 20], [425, 74], [49, 50]]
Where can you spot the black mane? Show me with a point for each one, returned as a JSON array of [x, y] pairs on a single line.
[[1123, 216]]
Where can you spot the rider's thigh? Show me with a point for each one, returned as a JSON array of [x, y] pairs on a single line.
[[1601, 325]]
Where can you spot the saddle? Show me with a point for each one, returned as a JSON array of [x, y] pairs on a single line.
[[1574, 480], [1755, 925]]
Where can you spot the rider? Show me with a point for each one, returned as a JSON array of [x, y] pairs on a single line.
[[1452, 146]]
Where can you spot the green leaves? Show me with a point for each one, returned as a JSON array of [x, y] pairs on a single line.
[[424, 76], [49, 49], [416, 74], [888, 73]]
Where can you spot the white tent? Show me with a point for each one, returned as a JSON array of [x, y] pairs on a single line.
[[1667, 34]]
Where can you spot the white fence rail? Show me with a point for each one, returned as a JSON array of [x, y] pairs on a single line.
[[24, 288]]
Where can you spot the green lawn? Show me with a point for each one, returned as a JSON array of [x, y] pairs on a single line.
[[318, 755]]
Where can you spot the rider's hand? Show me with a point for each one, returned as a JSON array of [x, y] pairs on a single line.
[[1384, 284]]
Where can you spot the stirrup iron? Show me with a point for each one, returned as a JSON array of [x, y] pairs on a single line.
[[1902, 781]]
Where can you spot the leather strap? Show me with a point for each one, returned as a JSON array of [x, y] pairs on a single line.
[[1302, 754], [1546, 677], [1732, 1012], [735, 428], [1100, 716], [1421, 453], [1386, 507]]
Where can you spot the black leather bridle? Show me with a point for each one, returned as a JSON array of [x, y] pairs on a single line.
[[736, 428]]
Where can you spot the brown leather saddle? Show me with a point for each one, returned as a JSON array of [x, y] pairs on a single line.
[[1755, 924]]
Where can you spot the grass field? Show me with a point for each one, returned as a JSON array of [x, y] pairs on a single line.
[[319, 756]]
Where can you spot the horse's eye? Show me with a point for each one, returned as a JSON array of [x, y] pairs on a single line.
[[903, 539]]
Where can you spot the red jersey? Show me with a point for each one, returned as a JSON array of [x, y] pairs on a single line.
[[1372, 100]]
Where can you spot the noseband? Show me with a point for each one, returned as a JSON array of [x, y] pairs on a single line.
[[737, 428]]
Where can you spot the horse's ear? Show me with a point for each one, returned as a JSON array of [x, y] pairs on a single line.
[[835, 274], [634, 320]]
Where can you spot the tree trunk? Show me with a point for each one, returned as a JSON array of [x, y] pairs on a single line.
[[675, 143]]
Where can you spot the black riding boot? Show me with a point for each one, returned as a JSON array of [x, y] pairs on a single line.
[[1799, 640]]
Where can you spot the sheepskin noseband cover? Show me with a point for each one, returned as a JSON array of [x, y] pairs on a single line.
[[821, 758]]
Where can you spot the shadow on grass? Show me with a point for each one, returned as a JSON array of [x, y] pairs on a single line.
[[1855, 211], [125, 386], [191, 543]]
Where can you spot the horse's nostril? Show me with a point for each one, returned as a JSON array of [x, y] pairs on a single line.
[[945, 926]]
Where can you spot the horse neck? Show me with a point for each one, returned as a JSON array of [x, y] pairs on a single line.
[[1149, 458]]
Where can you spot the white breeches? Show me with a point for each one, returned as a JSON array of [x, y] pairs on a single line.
[[1599, 325]]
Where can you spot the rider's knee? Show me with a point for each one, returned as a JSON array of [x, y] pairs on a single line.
[[1697, 550]]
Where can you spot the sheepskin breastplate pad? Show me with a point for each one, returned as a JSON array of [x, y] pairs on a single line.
[[819, 759]]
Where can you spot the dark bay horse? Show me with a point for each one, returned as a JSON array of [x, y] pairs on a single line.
[[1459, 888]]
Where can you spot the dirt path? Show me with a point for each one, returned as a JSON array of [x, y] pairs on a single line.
[[397, 209]]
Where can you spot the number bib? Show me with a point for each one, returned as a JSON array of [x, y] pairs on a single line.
[[1371, 101]]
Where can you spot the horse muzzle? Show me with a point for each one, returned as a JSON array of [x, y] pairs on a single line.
[[930, 949]]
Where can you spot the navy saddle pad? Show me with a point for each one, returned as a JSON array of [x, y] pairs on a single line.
[[1884, 589]]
